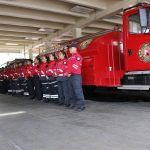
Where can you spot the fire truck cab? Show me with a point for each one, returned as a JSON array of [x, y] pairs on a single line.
[[136, 45]]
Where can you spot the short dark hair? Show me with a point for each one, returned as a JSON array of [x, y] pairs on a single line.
[[64, 53], [45, 57], [39, 60], [73, 45], [54, 55]]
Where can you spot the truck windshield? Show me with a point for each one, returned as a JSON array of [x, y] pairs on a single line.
[[135, 26]]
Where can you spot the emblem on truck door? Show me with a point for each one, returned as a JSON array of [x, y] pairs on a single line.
[[144, 52]]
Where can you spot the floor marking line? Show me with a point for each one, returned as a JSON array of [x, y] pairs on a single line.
[[12, 113]]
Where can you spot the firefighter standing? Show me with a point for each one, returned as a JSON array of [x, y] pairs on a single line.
[[29, 76], [74, 74], [52, 93], [61, 73], [3, 84], [24, 76], [20, 78], [42, 73], [15, 79], [5, 80], [10, 76], [37, 82]]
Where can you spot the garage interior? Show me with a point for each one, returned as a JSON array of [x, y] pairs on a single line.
[[30, 27]]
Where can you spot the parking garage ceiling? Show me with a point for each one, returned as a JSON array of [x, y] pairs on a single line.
[[26, 23]]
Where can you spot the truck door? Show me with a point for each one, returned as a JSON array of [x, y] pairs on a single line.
[[136, 43]]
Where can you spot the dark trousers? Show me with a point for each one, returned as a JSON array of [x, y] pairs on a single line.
[[25, 88], [53, 85], [10, 86], [50, 89], [4, 85], [63, 89], [38, 87], [44, 86], [76, 92], [15, 86], [1, 86], [20, 89], [30, 86]]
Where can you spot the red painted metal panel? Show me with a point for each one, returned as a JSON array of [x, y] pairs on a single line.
[[103, 60]]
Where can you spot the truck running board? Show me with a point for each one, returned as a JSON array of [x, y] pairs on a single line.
[[134, 87]]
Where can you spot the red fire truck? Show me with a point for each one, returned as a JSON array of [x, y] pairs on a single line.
[[119, 59]]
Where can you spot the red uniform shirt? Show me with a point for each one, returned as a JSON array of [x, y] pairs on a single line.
[[20, 70], [61, 68], [4, 76], [43, 69], [16, 73], [11, 73], [24, 69], [1, 75], [74, 64], [51, 68], [27, 71], [36, 69], [7, 73]]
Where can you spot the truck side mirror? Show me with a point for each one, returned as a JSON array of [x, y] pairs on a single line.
[[143, 18]]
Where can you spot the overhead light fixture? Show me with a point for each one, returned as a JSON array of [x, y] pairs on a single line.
[[11, 44], [26, 38], [42, 29], [32, 38], [82, 9], [35, 38], [46, 30]]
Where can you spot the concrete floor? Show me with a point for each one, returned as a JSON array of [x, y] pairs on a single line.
[[103, 126]]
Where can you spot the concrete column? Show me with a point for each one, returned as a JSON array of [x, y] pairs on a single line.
[[77, 32], [30, 52]]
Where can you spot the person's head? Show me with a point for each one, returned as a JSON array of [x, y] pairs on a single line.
[[17, 65], [52, 57], [20, 64], [62, 55], [29, 61], [25, 63], [37, 60], [11, 66], [14, 65], [44, 59], [73, 48]]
